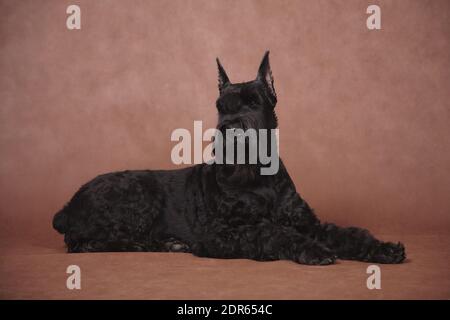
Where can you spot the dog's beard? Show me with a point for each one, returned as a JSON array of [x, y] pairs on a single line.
[[234, 173], [243, 169]]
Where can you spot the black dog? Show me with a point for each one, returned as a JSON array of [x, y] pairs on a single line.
[[215, 210]]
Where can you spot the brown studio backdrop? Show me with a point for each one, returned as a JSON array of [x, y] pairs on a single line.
[[364, 115]]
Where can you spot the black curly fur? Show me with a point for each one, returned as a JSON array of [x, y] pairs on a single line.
[[220, 211]]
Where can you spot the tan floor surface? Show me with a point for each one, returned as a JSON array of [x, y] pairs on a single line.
[[37, 270]]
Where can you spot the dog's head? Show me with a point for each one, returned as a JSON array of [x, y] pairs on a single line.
[[248, 105], [247, 115]]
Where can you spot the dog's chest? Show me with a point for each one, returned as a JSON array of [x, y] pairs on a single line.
[[245, 207]]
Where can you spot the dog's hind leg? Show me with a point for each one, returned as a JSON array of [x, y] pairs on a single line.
[[358, 244], [106, 246]]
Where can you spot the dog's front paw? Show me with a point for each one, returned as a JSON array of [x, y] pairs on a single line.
[[388, 252], [315, 254]]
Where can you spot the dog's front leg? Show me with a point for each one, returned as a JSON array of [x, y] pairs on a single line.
[[358, 244], [264, 241], [347, 243]]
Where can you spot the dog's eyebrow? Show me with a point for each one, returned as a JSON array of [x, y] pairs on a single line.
[[251, 94]]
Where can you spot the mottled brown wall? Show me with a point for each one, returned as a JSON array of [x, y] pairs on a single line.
[[364, 115]]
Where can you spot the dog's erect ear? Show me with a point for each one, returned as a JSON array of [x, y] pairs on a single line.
[[223, 78], [265, 74]]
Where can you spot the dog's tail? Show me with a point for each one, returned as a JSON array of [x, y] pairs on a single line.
[[60, 221]]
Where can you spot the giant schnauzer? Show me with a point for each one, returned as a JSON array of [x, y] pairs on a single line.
[[215, 210]]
